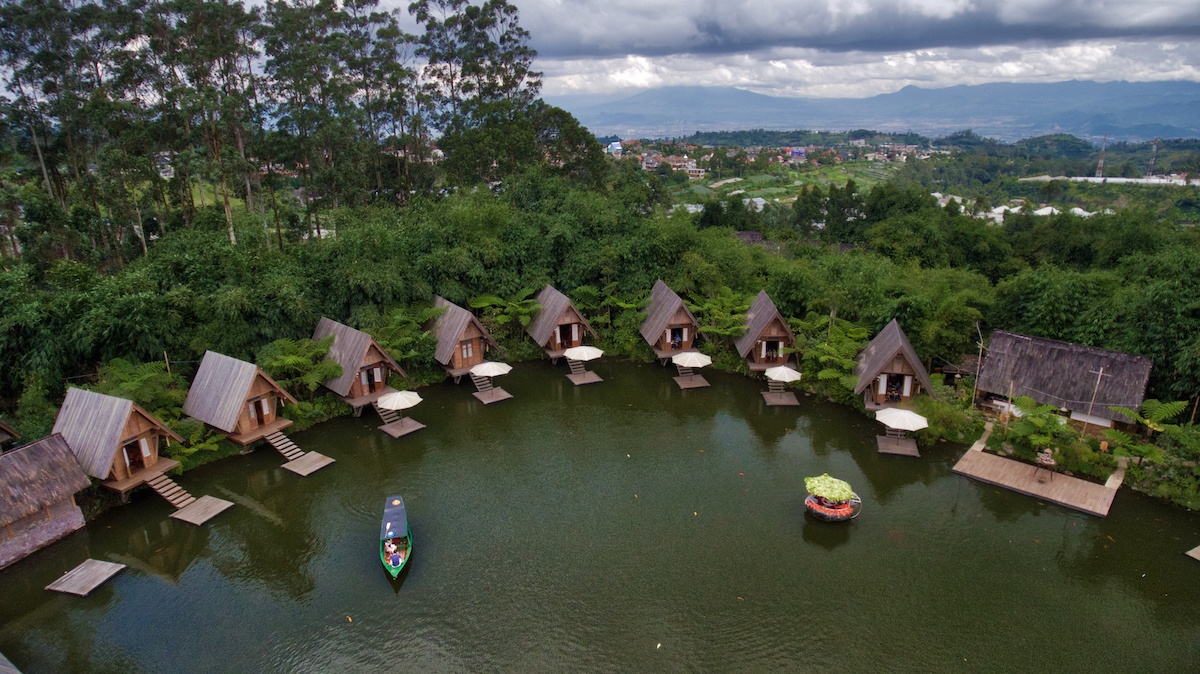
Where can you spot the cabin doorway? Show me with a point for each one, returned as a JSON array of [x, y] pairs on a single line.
[[260, 411], [371, 379], [568, 335], [771, 350], [134, 460], [677, 338]]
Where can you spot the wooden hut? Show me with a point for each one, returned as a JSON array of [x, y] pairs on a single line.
[[1084, 380], [767, 336], [114, 439], [462, 340], [558, 325], [236, 398], [889, 371], [365, 364], [669, 327], [38, 483]]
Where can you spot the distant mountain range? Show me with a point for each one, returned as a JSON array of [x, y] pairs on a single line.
[[1131, 111]]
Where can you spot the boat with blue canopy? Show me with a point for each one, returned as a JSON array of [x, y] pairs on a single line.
[[395, 536]]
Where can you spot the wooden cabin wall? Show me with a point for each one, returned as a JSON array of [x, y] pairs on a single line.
[[259, 389], [137, 428], [473, 335], [679, 321], [374, 358], [774, 332]]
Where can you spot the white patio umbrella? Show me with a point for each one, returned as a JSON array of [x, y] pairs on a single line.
[[490, 369], [782, 373], [583, 353], [399, 400], [901, 420], [691, 359]]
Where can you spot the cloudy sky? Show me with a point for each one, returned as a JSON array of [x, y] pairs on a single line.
[[855, 48]]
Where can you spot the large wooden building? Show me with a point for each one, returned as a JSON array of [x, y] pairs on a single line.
[[462, 341], [38, 483], [114, 439], [767, 336], [1084, 380], [365, 364], [670, 327], [558, 325], [889, 371], [236, 398]]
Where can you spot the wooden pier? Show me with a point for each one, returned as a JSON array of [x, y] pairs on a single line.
[[202, 509], [780, 399], [308, 464], [898, 445], [691, 381], [487, 393], [579, 375], [401, 427], [86, 577], [1037, 482]]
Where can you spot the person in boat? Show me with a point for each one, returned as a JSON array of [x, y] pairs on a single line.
[[389, 547]]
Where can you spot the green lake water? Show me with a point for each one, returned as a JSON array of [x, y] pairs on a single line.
[[625, 526]]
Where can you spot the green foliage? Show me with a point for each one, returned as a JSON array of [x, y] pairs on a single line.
[[722, 318], [148, 384], [35, 413], [300, 365], [828, 348]]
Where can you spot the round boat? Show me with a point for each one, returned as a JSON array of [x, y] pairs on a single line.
[[833, 511]]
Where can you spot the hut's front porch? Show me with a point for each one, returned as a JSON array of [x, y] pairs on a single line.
[[161, 467], [368, 399], [763, 366], [261, 432]]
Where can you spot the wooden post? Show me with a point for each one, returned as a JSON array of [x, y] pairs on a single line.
[[978, 367], [1093, 402], [1193, 421], [1009, 413], [168, 362]]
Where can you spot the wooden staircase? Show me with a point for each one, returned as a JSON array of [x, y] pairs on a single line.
[[388, 416], [284, 445], [576, 366], [685, 371], [775, 386], [175, 495], [481, 383]]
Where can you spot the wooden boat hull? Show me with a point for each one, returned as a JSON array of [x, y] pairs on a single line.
[[840, 513]]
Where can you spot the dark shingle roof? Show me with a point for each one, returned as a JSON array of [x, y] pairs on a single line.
[[37, 475], [449, 327], [664, 304], [349, 350], [757, 319], [554, 303], [882, 350], [1062, 374], [93, 424], [221, 387]]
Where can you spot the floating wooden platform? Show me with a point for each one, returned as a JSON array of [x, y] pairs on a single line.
[[86, 577], [584, 378], [202, 510], [402, 427], [1194, 553], [308, 464], [900, 446], [692, 381], [7, 667], [784, 399], [1023, 478], [490, 396]]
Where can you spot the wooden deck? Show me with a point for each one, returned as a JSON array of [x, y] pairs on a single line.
[[261, 432], [1027, 479], [585, 377], [308, 464], [780, 399], [894, 445], [362, 401], [1194, 553], [202, 510], [141, 477], [692, 381], [402, 427], [7, 667], [86, 577], [763, 367], [490, 396]]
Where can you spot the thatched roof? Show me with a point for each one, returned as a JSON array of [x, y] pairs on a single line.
[[449, 327], [1064, 375], [762, 310], [881, 351], [93, 424], [37, 475], [554, 303], [664, 304], [349, 350], [221, 387]]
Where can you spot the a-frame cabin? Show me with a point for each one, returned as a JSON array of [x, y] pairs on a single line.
[[236, 398], [889, 371], [462, 341], [558, 325], [767, 336], [365, 364], [670, 327]]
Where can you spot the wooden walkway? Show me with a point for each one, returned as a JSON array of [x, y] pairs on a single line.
[[202, 510], [402, 426], [1030, 480], [308, 464], [86, 577]]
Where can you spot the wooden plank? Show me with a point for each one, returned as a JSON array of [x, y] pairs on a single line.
[[308, 464], [785, 399], [202, 510], [584, 377], [86, 577], [402, 427], [1194, 553], [493, 396], [1030, 480], [899, 446], [693, 381], [7, 667]]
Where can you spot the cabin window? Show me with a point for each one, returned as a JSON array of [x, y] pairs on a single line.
[[145, 446], [363, 375], [468, 349], [253, 412]]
